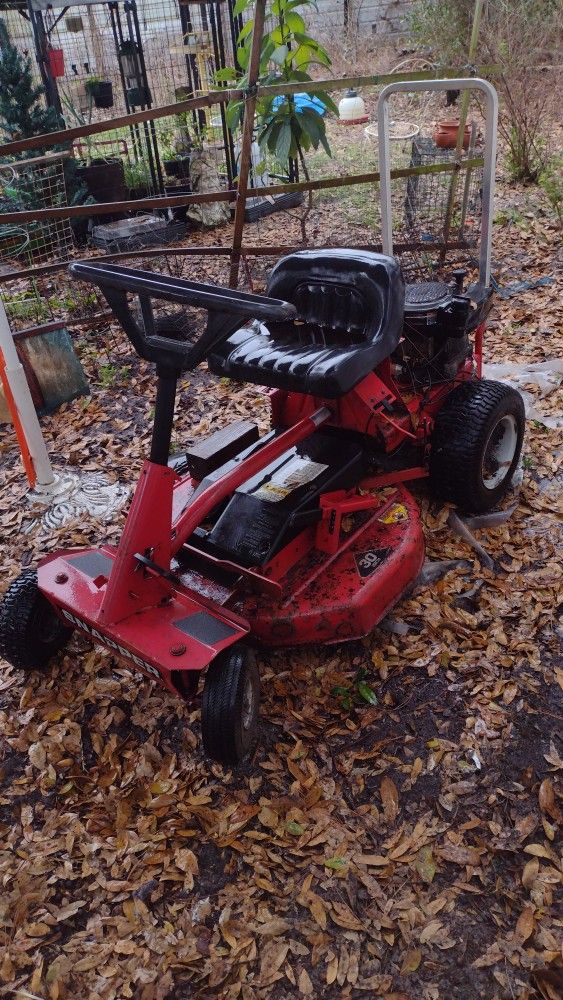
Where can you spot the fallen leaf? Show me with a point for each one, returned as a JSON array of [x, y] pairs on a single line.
[[525, 924], [37, 755], [272, 958], [425, 864], [430, 931], [546, 797], [304, 983], [411, 961], [336, 863], [371, 860], [273, 927], [457, 854], [296, 829], [530, 873], [344, 917], [390, 799], [538, 850]]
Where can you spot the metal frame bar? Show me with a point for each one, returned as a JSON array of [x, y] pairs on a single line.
[[490, 153], [218, 97]]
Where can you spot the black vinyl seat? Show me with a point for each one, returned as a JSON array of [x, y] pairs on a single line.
[[350, 314]]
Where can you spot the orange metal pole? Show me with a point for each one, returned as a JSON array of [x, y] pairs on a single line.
[[20, 433]]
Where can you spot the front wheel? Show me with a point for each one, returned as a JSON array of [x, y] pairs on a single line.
[[230, 706], [31, 632], [476, 444]]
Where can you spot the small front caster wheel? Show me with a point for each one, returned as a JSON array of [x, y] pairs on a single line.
[[30, 630], [230, 705]]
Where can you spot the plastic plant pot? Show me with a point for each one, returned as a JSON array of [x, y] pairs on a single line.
[[102, 93], [180, 167], [137, 96]]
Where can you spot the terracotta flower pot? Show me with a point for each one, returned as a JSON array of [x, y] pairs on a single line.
[[445, 134]]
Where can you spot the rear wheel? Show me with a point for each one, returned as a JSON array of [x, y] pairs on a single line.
[[30, 630], [230, 706], [476, 444]]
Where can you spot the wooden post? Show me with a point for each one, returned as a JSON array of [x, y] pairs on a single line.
[[463, 111], [247, 135]]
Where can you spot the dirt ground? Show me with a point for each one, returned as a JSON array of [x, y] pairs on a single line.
[[407, 850]]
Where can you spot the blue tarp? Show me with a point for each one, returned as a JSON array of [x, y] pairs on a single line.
[[302, 101]]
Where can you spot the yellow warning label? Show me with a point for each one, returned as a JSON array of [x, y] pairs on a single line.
[[272, 492], [398, 512]]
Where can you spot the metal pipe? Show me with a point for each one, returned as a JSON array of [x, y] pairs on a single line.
[[219, 97], [163, 417], [247, 136]]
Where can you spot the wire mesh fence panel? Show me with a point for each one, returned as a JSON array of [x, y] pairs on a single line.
[[28, 186]]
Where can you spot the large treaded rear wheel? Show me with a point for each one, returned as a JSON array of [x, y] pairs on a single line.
[[30, 630], [230, 705], [476, 444]]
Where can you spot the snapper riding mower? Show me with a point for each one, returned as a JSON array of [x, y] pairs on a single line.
[[308, 533]]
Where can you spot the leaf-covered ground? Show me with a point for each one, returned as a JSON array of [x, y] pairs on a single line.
[[408, 850]]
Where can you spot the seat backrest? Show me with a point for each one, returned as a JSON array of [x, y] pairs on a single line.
[[356, 294]]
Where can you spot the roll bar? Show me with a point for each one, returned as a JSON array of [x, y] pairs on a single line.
[[490, 154]]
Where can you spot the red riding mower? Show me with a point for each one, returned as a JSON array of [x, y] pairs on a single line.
[[308, 533]]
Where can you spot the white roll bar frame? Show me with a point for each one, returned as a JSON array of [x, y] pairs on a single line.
[[489, 158]]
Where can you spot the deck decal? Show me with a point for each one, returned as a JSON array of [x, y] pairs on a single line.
[[398, 512], [205, 628], [104, 640], [368, 562], [92, 564]]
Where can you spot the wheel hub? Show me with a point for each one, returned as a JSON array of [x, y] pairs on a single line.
[[499, 452]]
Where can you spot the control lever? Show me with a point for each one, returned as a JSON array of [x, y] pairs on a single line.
[[459, 275]]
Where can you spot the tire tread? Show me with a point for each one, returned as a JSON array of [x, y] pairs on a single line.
[[460, 433], [18, 644]]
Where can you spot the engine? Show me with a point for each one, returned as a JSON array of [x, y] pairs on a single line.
[[435, 339]]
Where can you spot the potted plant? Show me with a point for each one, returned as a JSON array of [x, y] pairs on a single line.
[[137, 178], [101, 91], [177, 154], [129, 59], [103, 176]]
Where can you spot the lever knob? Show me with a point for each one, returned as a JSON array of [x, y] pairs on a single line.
[[459, 276]]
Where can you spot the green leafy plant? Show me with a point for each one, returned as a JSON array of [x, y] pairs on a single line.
[[515, 36], [25, 306], [92, 82], [287, 54], [22, 111], [356, 693], [137, 174], [110, 374], [551, 181]]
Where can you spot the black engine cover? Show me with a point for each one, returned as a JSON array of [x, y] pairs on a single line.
[[272, 507]]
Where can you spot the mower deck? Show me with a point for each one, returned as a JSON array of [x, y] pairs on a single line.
[[328, 597], [332, 597]]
